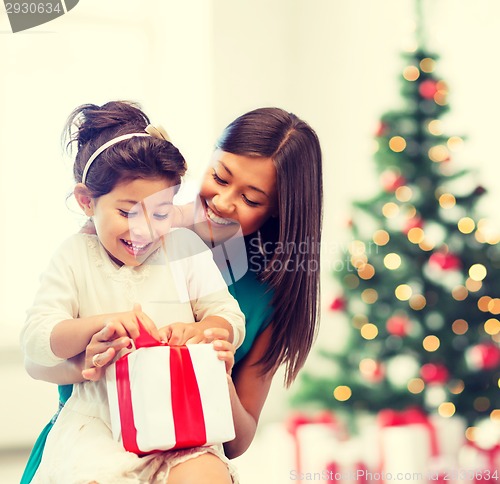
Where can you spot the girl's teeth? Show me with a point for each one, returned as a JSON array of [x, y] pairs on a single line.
[[217, 219], [134, 246]]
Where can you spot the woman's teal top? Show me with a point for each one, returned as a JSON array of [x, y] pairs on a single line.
[[255, 303]]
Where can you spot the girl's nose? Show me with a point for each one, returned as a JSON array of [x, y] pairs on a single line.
[[141, 229]]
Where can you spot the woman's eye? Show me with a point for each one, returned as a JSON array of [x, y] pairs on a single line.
[[249, 202], [218, 179], [126, 214]]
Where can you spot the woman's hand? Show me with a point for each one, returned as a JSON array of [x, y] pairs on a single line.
[[118, 333], [225, 350], [101, 350]]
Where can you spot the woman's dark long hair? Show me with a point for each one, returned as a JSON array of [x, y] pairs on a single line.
[[293, 271]]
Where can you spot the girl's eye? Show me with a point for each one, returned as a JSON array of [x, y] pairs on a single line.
[[250, 202], [218, 179], [126, 214], [161, 216]]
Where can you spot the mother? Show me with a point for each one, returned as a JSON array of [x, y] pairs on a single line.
[[265, 181]]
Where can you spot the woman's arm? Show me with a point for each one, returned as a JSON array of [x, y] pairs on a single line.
[[104, 345], [65, 373], [248, 389]]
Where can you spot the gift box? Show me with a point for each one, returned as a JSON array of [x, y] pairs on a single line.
[[408, 443], [169, 397]]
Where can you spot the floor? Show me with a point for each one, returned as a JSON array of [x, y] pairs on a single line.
[[265, 462], [12, 465]]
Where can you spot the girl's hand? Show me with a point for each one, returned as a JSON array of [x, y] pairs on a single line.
[[225, 349], [127, 323], [118, 333], [101, 350], [177, 334]]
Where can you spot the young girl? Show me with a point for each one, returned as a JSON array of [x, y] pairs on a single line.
[[127, 175], [265, 176]]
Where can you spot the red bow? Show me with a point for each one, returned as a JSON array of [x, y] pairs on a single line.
[[412, 415]]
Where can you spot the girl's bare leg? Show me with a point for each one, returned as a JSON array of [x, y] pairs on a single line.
[[206, 468]]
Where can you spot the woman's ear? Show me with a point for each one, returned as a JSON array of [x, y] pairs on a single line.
[[84, 199]]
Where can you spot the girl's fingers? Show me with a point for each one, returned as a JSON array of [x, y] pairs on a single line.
[[146, 321], [213, 334], [196, 339]]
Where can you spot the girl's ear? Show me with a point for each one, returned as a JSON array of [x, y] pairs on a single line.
[[84, 199]]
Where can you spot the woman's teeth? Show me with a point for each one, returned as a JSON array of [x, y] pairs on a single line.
[[215, 218]]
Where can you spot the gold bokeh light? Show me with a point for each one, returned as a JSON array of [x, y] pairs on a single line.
[[390, 210], [494, 306], [411, 73], [435, 127], [446, 409], [438, 154], [466, 225], [416, 385], [427, 64], [492, 326], [417, 302], [404, 193], [447, 200], [369, 331], [455, 143], [397, 144], [369, 296], [483, 302], [460, 326], [403, 292], [381, 237], [366, 271], [431, 343], [342, 393], [477, 272], [392, 261], [416, 235]]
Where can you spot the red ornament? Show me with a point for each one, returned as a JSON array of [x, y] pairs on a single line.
[[391, 180], [445, 261], [374, 373], [381, 129], [484, 356], [398, 325], [413, 223], [338, 304], [427, 89], [434, 373]]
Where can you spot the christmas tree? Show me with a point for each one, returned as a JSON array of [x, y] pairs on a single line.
[[420, 282]]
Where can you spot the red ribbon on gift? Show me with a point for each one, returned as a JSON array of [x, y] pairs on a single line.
[[492, 454], [410, 416], [187, 408]]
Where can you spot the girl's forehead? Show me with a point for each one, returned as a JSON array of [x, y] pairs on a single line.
[[144, 190]]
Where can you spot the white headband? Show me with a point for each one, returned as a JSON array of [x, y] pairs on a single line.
[[155, 132]]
